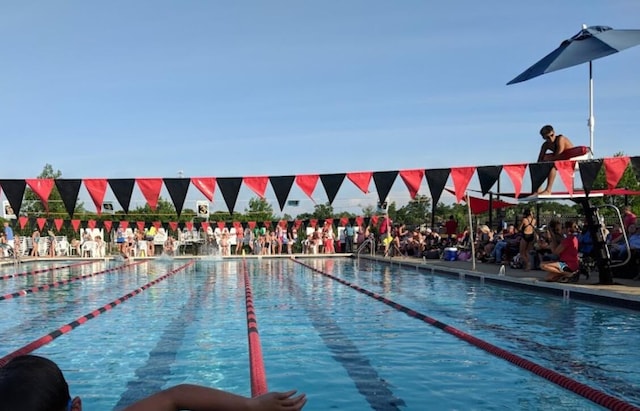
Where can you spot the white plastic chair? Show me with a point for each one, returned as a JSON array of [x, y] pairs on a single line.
[[88, 248]]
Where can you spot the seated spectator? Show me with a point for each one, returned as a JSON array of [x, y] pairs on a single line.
[[484, 243], [23, 379], [619, 251], [169, 246], [510, 239], [567, 252]]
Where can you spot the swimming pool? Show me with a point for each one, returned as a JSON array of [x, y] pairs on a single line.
[[345, 349]]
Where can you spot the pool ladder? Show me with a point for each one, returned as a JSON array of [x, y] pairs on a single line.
[[368, 242]]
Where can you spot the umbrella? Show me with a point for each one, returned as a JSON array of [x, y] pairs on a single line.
[[589, 44]]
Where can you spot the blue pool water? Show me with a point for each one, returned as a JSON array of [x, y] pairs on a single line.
[[346, 350]]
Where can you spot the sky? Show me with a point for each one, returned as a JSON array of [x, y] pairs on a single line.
[[125, 89]]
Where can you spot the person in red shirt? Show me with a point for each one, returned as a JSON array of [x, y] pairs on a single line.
[[567, 252], [451, 228], [628, 218]]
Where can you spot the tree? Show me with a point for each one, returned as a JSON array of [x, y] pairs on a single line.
[[33, 206], [259, 210], [416, 211], [368, 211]]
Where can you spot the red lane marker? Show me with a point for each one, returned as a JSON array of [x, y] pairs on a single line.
[[563, 381], [43, 270], [34, 345], [22, 293], [256, 361]]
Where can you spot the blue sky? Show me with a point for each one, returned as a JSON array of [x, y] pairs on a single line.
[[148, 88]]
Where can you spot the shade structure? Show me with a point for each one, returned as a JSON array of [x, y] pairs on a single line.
[[589, 44]]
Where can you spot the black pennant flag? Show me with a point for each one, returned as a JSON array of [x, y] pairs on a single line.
[[230, 187], [488, 175], [539, 172], [281, 187], [14, 191], [69, 189], [122, 188], [331, 184], [383, 181], [588, 172], [437, 178], [177, 188], [635, 164]]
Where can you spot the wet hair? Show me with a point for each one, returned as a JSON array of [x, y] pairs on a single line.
[[546, 130], [32, 383], [527, 212]]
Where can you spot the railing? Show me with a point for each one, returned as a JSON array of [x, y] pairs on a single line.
[[368, 242]]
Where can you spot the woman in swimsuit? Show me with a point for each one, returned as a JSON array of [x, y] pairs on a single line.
[[528, 230]]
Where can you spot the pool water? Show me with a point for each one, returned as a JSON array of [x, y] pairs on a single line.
[[346, 350]]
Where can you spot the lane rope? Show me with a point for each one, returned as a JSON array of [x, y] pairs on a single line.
[[46, 339], [256, 361], [43, 270], [35, 289], [592, 394]]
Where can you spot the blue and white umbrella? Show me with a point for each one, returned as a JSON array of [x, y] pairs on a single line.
[[589, 44]]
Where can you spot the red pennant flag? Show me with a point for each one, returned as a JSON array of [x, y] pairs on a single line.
[[566, 170], [313, 222], [91, 224], [75, 224], [516, 174], [307, 183], [97, 187], [257, 184], [297, 224], [157, 224], [328, 221], [173, 225], [124, 224], [282, 223], [344, 221], [150, 188], [140, 225], [23, 221], [252, 224], [221, 224], [361, 180], [237, 225], [206, 185], [359, 220], [374, 220], [189, 225], [461, 177], [267, 224], [204, 225], [412, 179], [42, 187], [58, 223], [614, 168], [108, 225], [41, 222]]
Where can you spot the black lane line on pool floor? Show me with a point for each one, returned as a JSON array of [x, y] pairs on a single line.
[[35, 289], [560, 356], [156, 371], [42, 270], [367, 380], [592, 394], [66, 309], [60, 331]]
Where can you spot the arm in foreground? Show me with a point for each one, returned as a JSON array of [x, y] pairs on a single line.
[[198, 398]]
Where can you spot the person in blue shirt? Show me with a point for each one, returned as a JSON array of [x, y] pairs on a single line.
[[8, 234]]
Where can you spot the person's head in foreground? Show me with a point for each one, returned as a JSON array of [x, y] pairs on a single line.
[[32, 383]]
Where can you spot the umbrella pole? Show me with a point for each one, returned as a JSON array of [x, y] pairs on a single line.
[[591, 121]]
